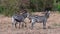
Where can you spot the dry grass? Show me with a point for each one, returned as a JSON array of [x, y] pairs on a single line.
[[6, 27]]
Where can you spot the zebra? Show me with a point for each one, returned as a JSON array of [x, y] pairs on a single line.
[[18, 18], [39, 19]]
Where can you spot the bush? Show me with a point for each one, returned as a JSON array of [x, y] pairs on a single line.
[[58, 7], [8, 8], [7, 11]]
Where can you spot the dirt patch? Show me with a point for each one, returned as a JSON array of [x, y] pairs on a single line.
[[52, 28]]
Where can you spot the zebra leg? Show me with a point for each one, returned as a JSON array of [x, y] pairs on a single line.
[[25, 24], [22, 24], [12, 21], [15, 24], [32, 25], [19, 24], [33, 22], [44, 24]]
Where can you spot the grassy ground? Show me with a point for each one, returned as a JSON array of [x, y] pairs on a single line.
[[53, 26]]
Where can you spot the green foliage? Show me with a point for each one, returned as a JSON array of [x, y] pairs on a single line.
[[36, 5], [8, 7], [32, 5], [1, 9], [6, 11], [58, 7], [39, 5]]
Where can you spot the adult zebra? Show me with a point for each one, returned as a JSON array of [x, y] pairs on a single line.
[[39, 19], [18, 18]]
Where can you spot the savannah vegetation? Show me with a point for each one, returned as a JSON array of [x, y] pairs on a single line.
[[9, 7]]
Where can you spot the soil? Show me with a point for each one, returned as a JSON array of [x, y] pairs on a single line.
[[52, 25]]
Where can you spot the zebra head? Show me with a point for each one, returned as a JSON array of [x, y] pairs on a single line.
[[47, 14]]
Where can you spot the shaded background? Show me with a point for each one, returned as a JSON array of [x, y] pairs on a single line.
[[9, 7]]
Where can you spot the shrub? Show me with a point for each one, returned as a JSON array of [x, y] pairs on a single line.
[[58, 7]]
